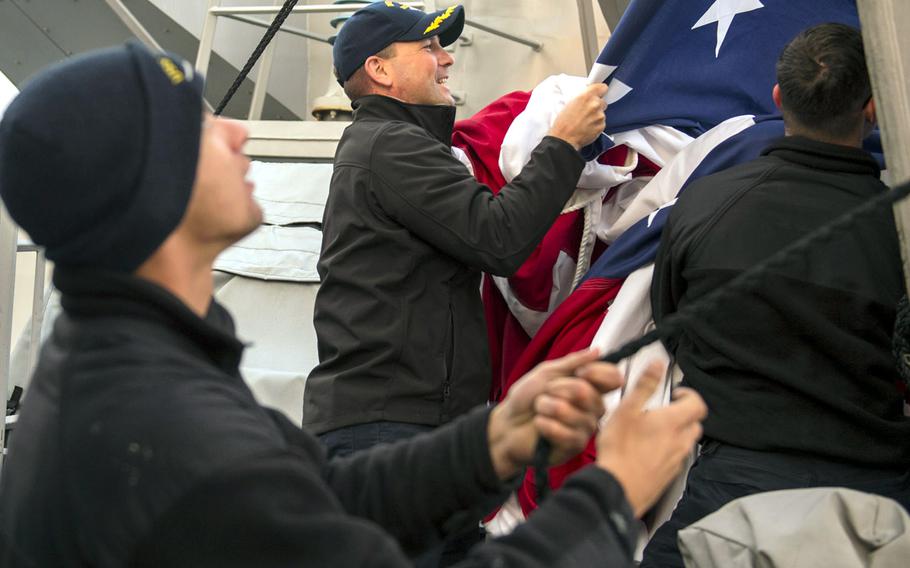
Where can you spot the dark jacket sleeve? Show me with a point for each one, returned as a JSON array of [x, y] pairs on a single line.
[[424, 188], [425, 487], [445, 479], [276, 511], [270, 512], [587, 522]]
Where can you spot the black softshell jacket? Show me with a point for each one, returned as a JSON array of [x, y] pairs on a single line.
[[140, 445], [406, 235], [801, 362]]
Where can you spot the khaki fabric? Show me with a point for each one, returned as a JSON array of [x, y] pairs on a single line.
[[804, 528]]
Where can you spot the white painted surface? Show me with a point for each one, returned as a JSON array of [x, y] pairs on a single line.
[[25, 261], [889, 67], [24, 277], [7, 92]]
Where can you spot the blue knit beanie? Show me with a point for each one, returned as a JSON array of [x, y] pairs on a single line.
[[98, 155]]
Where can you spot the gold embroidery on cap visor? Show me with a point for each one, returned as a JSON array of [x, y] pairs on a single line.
[[439, 19], [170, 69], [391, 4]]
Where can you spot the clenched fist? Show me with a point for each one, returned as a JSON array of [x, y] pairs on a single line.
[[583, 118]]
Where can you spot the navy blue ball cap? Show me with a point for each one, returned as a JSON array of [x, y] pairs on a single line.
[[373, 28], [98, 155]]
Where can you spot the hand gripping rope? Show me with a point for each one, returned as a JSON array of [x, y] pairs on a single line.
[[708, 304]]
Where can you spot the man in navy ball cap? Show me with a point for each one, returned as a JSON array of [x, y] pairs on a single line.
[[408, 230], [140, 445], [374, 28]]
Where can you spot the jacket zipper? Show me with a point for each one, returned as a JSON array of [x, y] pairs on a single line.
[[449, 357]]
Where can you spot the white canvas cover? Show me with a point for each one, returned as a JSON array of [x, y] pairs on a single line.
[[808, 528], [268, 281]]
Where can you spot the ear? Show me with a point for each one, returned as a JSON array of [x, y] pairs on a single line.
[[869, 112], [378, 71], [775, 94]]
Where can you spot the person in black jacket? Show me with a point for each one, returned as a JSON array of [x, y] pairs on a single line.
[[407, 231], [139, 443], [798, 373]]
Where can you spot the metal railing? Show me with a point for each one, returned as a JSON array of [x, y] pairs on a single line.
[[243, 13], [133, 24], [290, 30], [589, 41]]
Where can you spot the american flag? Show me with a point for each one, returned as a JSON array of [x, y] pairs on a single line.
[[690, 65]]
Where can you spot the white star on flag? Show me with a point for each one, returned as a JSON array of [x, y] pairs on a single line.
[[653, 215], [600, 73], [617, 90], [723, 12]]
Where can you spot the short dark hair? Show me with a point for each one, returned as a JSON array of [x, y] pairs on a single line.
[[358, 84], [824, 82]]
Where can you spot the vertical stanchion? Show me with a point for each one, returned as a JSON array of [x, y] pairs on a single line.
[[887, 44], [207, 39], [262, 79], [588, 32]]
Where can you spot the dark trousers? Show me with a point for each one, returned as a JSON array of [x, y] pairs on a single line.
[[350, 439], [722, 473], [345, 441]]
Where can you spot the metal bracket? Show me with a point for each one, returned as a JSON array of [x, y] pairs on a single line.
[[535, 45], [464, 40]]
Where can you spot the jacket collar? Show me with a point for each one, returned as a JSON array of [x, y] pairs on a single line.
[[824, 156], [100, 294], [438, 120]]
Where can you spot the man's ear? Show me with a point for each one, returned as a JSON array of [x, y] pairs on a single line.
[[869, 112], [775, 94], [377, 70]]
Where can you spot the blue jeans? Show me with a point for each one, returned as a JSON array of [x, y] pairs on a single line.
[[723, 473], [349, 439]]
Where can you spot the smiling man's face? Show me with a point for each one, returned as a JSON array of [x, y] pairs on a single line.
[[420, 71]]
